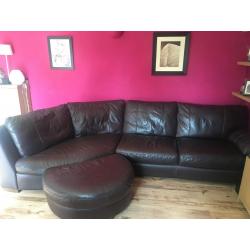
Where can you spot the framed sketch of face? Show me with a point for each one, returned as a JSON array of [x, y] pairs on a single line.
[[170, 53], [246, 90], [60, 52]]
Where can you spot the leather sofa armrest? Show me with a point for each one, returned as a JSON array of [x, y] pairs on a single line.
[[242, 140], [8, 157]]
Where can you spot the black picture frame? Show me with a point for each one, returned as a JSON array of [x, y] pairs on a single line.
[[246, 90], [161, 41], [61, 47]]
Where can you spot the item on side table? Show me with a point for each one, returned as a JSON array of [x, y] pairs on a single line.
[[3, 78], [242, 89], [6, 50], [246, 90], [16, 77], [5, 81]]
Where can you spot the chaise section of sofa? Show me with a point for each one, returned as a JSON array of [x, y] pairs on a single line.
[[26, 135], [50, 137], [68, 152]]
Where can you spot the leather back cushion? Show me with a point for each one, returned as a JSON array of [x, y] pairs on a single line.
[[210, 121], [35, 131], [102, 117], [150, 118]]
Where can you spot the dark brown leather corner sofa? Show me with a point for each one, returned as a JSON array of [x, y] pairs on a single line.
[[202, 142]]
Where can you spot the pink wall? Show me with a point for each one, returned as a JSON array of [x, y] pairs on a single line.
[[120, 68]]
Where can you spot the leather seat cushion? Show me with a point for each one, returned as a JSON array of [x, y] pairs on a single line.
[[69, 152], [148, 149], [209, 154], [91, 184]]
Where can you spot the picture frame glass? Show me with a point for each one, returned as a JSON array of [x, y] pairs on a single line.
[[60, 49], [170, 52], [247, 88]]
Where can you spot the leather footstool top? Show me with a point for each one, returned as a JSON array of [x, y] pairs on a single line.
[[91, 184]]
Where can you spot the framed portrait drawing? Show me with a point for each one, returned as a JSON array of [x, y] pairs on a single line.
[[170, 53], [61, 52]]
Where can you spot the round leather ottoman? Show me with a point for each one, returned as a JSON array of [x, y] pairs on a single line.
[[99, 188]]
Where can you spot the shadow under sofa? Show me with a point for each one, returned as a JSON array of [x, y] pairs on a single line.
[[163, 139]]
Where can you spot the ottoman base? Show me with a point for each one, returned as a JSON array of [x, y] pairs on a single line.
[[107, 212]]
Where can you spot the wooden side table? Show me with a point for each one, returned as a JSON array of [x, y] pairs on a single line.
[[244, 194], [14, 100]]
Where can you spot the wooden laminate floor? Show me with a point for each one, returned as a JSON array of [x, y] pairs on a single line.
[[154, 198]]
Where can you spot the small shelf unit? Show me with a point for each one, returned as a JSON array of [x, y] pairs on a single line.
[[242, 97]]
